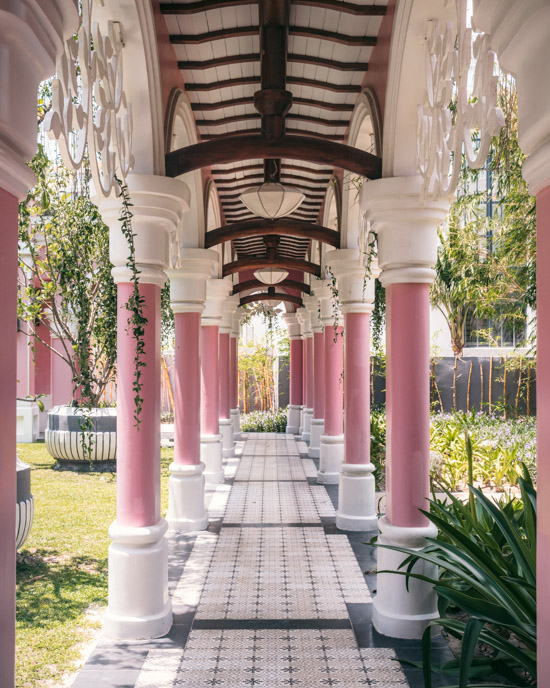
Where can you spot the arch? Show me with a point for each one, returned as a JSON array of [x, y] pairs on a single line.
[[281, 227], [141, 79], [180, 130], [256, 284], [406, 82], [253, 263], [264, 296], [365, 134]]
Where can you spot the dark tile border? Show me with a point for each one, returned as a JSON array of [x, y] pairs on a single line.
[[270, 624]]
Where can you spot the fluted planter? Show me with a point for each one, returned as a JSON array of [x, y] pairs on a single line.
[[25, 504], [64, 438]]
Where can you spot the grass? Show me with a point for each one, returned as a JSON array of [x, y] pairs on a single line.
[[62, 568]]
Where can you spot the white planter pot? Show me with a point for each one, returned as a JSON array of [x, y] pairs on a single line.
[[25, 504], [64, 438]]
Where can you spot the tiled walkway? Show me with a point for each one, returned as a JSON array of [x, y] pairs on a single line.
[[270, 595]]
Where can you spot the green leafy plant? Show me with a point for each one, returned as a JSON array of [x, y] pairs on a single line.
[[486, 557], [264, 421]]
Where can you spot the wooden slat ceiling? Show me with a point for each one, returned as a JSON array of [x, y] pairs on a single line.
[[217, 44]]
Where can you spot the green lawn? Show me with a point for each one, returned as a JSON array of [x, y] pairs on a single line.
[[62, 568]]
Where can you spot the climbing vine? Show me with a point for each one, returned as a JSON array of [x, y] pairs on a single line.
[[134, 305]]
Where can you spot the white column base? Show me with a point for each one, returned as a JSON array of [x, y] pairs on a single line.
[[212, 457], [293, 421], [396, 612], [27, 421], [186, 510], [356, 498], [301, 427], [43, 415], [139, 605], [236, 420], [306, 430], [226, 431], [331, 456], [317, 428]]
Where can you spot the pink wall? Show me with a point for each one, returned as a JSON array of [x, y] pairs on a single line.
[[187, 388], [23, 364], [408, 402], [8, 390], [210, 392], [42, 362], [61, 376], [543, 431], [138, 448]]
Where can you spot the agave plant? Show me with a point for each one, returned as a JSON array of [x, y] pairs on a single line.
[[486, 557]]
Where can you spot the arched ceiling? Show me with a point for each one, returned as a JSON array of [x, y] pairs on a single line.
[[272, 85]]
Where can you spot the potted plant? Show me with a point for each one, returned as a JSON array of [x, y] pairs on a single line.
[[65, 285]]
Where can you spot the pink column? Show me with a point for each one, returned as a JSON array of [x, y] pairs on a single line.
[[318, 375], [304, 371], [209, 380], [543, 431], [357, 388], [334, 388], [8, 367], [296, 371], [224, 376], [234, 373], [138, 448], [309, 373], [408, 403], [187, 388]]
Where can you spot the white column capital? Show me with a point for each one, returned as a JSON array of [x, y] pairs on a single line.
[[31, 35], [304, 318], [217, 291], [158, 204], [238, 316], [230, 305], [188, 281], [406, 227], [313, 306], [520, 35], [330, 311], [355, 283], [292, 325]]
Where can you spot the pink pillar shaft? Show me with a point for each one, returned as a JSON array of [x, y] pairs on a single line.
[[304, 371], [187, 388], [309, 373], [8, 385], [234, 372], [408, 402], [543, 431], [356, 387], [225, 395], [62, 377], [210, 393], [138, 448], [42, 362], [334, 388], [318, 375], [296, 365]]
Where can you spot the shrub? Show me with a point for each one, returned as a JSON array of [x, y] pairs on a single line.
[[264, 421]]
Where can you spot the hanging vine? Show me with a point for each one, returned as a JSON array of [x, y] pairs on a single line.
[[335, 303], [134, 305]]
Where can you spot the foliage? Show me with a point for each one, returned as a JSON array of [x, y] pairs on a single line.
[[485, 555], [497, 446], [167, 331], [264, 421], [487, 255], [378, 317], [65, 282], [62, 569], [256, 375], [135, 303]]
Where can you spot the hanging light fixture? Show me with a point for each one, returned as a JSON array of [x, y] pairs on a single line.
[[271, 276], [272, 199]]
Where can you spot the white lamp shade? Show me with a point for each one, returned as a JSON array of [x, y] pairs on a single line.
[[271, 275], [272, 200]]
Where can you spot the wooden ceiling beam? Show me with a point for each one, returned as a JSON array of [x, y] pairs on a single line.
[[330, 64], [356, 9], [247, 117], [221, 34], [282, 227], [275, 296], [223, 83], [297, 80], [226, 60], [321, 34], [218, 61], [285, 284], [235, 102], [243, 133], [257, 262], [236, 148]]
